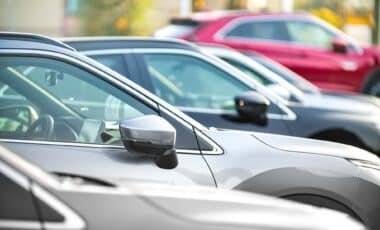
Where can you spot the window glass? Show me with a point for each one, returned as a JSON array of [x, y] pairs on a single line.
[[65, 102], [310, 34], [114, 62], [16, 202], [190, 82], [266, 30]]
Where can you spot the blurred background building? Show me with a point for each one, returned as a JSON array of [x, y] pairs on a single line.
[[141, 17]]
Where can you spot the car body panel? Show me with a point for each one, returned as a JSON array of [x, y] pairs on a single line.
[[113, 163], [85, 205]]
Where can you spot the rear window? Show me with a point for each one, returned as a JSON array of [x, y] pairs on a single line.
[[177, 29]]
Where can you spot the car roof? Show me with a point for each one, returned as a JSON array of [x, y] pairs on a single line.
[[230, 14], [125, 42], [13, 40]]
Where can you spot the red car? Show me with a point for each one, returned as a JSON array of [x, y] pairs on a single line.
[[307, 45]]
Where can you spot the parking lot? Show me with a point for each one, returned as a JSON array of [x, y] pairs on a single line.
[[243, 115]]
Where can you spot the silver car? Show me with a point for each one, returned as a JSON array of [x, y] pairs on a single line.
[[73, 116], [33, 199]]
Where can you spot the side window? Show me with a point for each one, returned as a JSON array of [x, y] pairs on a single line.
[[67, 103], [187, 81], [16, 202], [263, 30], [310, 34], [114, 62]]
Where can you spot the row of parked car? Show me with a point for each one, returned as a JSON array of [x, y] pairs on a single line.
[[181, 114]]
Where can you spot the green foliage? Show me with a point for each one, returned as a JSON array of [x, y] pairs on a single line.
[[236, 4], [328, 10], [334, 5], [114, 17]]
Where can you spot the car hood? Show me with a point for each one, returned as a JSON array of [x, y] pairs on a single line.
[[356, 97], [343, 103], [312, 146], [240, 209]]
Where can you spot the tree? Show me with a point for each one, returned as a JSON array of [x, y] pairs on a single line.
[[114, 17], [328, 10]]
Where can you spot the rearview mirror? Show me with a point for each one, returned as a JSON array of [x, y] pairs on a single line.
[[339, 45], [153, 136], [252, 107]]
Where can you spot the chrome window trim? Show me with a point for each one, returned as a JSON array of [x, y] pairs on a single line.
[[100, 146], [289, 114], [107, 52], [71, 219], [109, 76]]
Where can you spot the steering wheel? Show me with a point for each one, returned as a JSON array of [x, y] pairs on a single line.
[[42, 128]]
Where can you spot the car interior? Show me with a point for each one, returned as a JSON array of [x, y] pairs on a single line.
[[39, 102]]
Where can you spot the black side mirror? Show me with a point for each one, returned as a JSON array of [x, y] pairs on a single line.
[[153, 136], [252, 107], [339, 45]]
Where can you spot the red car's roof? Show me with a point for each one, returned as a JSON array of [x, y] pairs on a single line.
[[215, 15]]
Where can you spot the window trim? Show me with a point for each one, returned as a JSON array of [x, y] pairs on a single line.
[[121, 83], [71, 219]]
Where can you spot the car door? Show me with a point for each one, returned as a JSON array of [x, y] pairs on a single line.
[[201, 90], [76, 130], [266, 36], [317, 61]]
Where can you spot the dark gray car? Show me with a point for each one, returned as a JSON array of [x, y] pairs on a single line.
[[206, 88], [33, 199], [70, 115]]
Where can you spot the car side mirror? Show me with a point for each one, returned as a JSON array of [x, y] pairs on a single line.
[[153, 136], [339, 45], [252, 107], [280, 91]]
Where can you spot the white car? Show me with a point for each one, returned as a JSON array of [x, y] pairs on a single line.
[[33, 199]]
